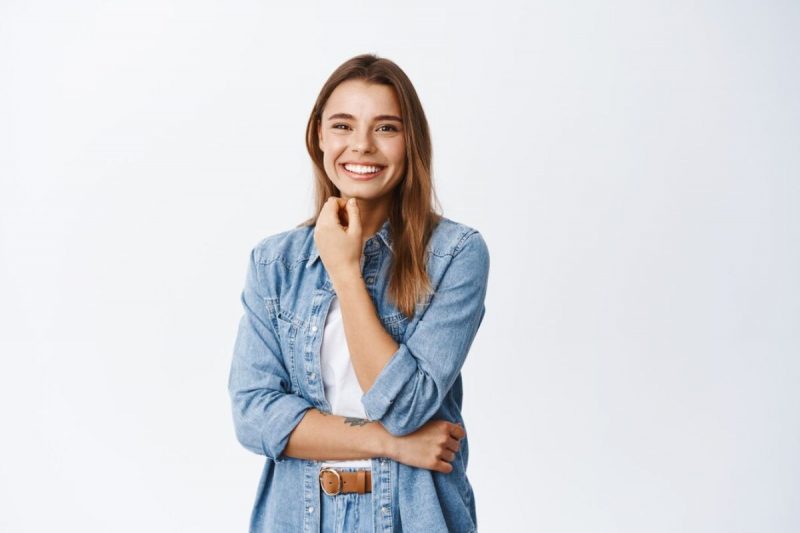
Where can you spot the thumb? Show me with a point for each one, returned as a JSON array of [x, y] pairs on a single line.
[[354, 217]]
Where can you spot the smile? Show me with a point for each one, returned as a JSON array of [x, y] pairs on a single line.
[[362, 172]]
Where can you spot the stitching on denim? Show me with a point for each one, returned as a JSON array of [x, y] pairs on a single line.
[[273, 310], [457, 248], [288, 265], [393, 319], [462, 241]]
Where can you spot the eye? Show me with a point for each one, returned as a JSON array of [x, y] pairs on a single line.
[[336, 126], [391, 128]]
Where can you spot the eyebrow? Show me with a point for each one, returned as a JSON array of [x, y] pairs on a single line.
[[348, 116]]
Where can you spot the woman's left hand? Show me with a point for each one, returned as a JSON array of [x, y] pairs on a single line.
[[338, 237]]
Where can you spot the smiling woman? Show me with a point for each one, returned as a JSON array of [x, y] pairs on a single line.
[[346, 372], [364, 146]]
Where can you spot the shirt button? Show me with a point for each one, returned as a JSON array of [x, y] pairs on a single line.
[[314, 329], [312, 375], [310, 509], [370, 280], [385, 509]]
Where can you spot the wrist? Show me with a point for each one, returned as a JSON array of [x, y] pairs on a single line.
[[386, 444], [346, 278]]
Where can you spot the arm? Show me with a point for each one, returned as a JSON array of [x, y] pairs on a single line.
[[264, 411], [368, 342], [321, 436], [410, 388]]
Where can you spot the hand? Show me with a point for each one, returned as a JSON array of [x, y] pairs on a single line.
[[433, 446], [339, 245]]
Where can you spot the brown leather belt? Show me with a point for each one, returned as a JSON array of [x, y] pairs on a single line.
[[335, 482]]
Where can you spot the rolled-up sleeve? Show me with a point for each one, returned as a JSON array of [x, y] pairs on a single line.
[[264, 411], [411, 387]]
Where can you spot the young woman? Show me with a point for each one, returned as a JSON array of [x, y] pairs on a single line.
[[346, 367]]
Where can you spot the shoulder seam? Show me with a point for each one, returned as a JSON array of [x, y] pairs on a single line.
[[267, 257], [463, 239]]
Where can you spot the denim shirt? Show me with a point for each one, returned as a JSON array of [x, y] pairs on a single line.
[[275, 375]]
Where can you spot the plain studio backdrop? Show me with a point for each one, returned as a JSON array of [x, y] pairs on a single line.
[[634, 168]]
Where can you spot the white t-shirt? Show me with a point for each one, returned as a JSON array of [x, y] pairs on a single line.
[[342, 389]]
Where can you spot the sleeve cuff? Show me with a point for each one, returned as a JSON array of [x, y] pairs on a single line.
[[286, 413], [391, 380]]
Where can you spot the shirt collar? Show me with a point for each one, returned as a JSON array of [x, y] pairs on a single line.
[[384, 234]]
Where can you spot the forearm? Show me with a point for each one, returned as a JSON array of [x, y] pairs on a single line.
[[321, 436], [370, 346]]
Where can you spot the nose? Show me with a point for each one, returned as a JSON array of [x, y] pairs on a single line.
[[362, 142]]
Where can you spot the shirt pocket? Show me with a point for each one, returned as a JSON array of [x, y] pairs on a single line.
[[395, 324], [287, 326]]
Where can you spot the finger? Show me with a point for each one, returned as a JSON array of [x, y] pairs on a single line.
[[326, 210], [354, 217], [452, 444], [444, 467], [447, 455], [457, 431], [329, 214], [342, 213]]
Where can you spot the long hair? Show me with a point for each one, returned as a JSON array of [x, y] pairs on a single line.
[[415, 209]]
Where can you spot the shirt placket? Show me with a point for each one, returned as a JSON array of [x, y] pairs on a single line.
[[312, 343], [370, 264], [382, 496], [384, 481]]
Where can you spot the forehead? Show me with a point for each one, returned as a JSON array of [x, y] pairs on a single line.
[[362, 99]]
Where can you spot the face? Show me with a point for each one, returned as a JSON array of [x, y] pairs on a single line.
[[361, 137]]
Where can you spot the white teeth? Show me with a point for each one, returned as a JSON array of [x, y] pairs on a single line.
[[361, 169]]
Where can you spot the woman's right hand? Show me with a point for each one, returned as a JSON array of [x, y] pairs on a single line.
[[433, 446]]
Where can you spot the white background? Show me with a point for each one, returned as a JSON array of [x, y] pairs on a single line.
[[633, 166]]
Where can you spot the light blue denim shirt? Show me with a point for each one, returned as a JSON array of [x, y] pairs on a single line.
[[275, 375]]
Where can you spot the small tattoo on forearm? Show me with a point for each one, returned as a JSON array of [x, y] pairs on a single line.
[[356, 421]]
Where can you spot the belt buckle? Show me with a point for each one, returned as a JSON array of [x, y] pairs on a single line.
[[338, 477]]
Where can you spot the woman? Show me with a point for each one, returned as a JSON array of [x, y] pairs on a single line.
[[346, 367]]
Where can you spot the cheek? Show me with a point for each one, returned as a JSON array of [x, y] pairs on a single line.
[[396, 152], [334, 146]]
